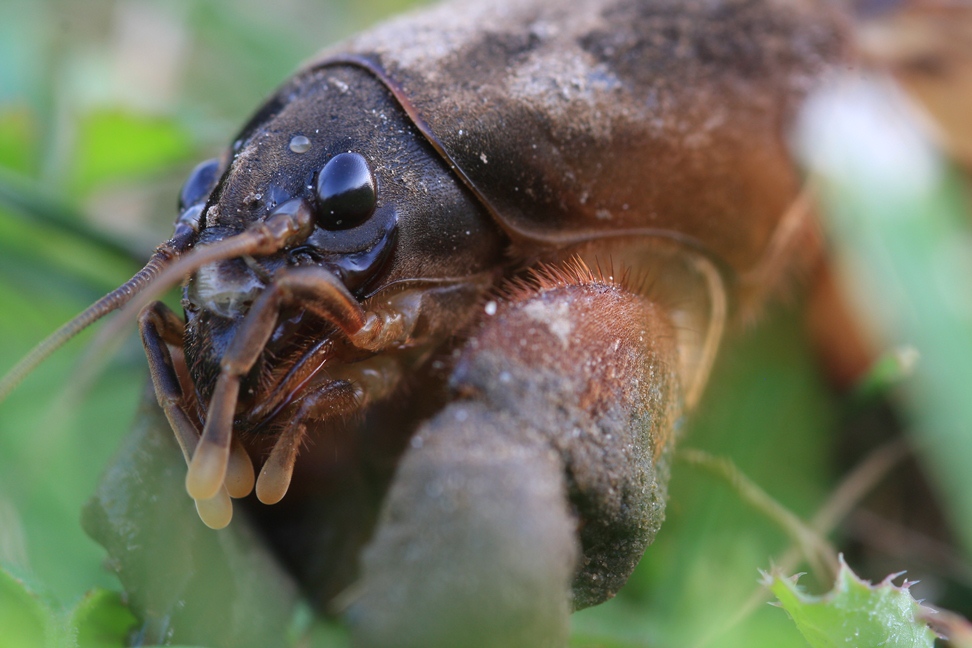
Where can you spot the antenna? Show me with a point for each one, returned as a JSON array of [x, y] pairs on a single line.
[[290, 224], [114, 300]]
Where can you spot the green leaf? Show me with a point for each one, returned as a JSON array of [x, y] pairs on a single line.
[[18, 128], [855, 613], [113, 145], [102, 620], [24, 620]]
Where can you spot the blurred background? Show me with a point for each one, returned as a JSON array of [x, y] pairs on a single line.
[[105, 107]]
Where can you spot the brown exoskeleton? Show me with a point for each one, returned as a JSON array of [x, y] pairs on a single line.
[[508, 237]]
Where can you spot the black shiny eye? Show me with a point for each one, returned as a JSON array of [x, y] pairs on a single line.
[[346, 189], [199, 184]]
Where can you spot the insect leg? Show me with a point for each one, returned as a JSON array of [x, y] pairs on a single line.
[[538, 488], [334, 399], [278, 469], [159, 327]]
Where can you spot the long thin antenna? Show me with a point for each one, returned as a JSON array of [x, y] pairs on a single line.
[[114, 300], [291, 223]]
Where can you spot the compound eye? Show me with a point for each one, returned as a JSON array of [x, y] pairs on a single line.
[[346, 190], [199, 184]]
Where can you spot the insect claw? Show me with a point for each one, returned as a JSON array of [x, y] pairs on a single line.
[[216, 511], [239, 473], [275, 476]]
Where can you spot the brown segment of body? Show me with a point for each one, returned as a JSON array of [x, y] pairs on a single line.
[[581, 120]]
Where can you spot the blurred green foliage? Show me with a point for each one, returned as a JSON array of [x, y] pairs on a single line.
[[99, 620], [900, 216], [105, 106]]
